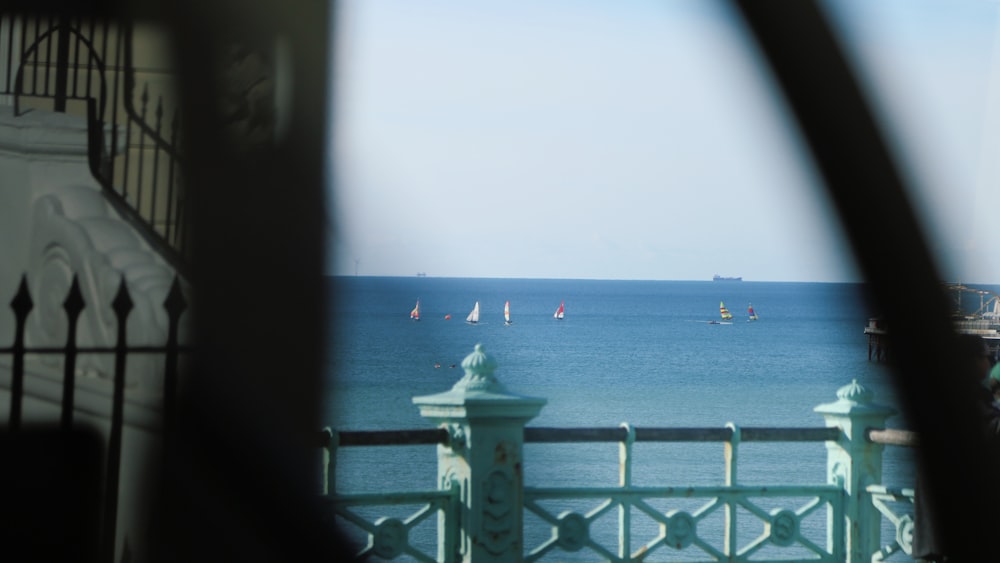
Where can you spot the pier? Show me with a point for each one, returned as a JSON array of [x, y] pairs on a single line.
[[983, 321], [485, 512]]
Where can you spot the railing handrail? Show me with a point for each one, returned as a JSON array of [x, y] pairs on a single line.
[[409, 437], [894, 437]]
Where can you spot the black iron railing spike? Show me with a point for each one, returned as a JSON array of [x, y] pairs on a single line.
[[175, 304], [122, 303], [74, 302], [22, 303], [73, 306]]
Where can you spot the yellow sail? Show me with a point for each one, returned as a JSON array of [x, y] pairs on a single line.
[[726, 315]]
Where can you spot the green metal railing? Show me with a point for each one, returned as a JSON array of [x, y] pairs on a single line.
[[571, 530], [486, 512], [678, 529]]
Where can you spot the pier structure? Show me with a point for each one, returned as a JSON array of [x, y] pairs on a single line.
[[983, 321], [482, 504]]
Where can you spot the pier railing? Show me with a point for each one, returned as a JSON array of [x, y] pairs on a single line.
[[486, 512]]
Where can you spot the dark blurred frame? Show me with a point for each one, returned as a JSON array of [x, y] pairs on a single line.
[[242, 482]]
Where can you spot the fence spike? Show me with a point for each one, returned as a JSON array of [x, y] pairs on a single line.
[[122, 303], [175, 304], [22, 303], [74, 302]]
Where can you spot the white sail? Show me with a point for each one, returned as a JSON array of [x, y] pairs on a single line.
[[474, 315], [506, 312]]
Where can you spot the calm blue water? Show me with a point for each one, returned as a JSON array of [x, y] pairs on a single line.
[[627, 351]]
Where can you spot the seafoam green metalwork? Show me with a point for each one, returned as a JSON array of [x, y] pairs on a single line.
[[896, 505], [481, 501], [679, 529], [388, 537]]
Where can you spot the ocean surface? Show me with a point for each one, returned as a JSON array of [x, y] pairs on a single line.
[[640, 352]]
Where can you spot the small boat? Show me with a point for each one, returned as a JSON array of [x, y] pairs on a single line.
[[506, 314], [415, 313], [561, 311], [751, 314], [473, 317], [726, 315]]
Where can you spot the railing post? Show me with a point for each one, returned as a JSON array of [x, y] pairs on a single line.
[[486, 424], [854, 462]]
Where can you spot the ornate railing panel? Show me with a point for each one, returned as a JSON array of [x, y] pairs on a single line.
[[896, 505], [390, 536], [775, 532], [685, 530]]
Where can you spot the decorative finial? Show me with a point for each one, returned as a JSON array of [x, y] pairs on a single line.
[[479, 367], [855, 393]]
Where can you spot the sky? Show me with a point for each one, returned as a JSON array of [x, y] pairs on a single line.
[[638, 140]]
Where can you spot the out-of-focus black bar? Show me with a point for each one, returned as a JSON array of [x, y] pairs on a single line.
[[929, 372]]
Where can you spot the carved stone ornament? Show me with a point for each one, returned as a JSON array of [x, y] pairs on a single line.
[[74, 232]]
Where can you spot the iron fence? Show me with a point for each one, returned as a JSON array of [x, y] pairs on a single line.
[[87, 66], [22, 304]]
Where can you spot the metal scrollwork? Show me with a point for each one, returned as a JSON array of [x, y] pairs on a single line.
[[904, 533]]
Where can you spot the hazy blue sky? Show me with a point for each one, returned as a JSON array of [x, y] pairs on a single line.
[[637, 140]]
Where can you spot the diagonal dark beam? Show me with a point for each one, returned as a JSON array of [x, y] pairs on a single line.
[[935, 384]]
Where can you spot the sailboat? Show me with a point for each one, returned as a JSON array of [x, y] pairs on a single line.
[[751, 314], [560, 311], [473, 317], [506, 313], [415, 313], [726, 315]]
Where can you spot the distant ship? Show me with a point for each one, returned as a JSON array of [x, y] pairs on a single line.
[[717, 277]]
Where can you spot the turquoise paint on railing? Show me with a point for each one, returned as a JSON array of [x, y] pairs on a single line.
[[854, 462], [481, 499], [484, 462]]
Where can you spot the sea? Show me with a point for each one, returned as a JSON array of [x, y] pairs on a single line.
[[639, 352]]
